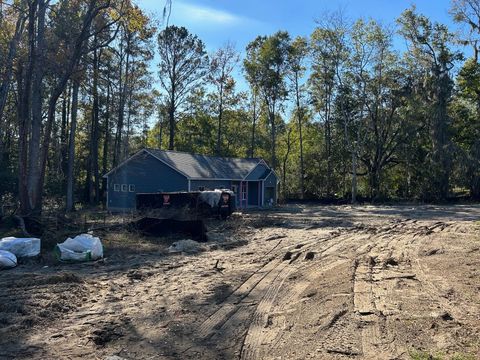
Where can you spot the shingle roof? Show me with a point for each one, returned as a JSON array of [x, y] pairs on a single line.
[[197, 166]]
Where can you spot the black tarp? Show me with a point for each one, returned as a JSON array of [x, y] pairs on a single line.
[[189, 200], [150, 226]]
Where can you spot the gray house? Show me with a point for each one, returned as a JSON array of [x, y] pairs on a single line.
[[150, 170]]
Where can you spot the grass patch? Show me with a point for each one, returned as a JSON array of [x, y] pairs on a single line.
[[424, 355]]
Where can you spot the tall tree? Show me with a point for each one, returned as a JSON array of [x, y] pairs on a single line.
[[72, 42], [466, 110], [382, 81], [430, 48], [267, 63], [297, 56], [222, 64], [6, 67], [183, 62], [329, 55], [467, 13]]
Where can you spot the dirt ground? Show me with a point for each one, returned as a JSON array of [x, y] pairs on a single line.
[[302, 282]]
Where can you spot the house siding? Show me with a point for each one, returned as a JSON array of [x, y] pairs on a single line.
[[270, 182], [258, 171], [147, 174], [210, 184]]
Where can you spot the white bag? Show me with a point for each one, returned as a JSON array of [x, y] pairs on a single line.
[[82, 247], [212, 198], [7, 260], [21, 247], [188, 246]]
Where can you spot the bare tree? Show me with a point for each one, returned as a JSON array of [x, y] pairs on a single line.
[[222, 64], [183, 62]]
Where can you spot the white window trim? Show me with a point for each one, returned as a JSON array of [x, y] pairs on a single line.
[[243, 193]]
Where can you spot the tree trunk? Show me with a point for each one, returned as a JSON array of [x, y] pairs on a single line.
[[37, 161], [171, 119], [273, 138], [328, 140], [252, 149], [300, 119], [71, 145], [354, 176], [23, 130], [63, 135], [94, 186], [34, 165], [106, 140], [124, 84], [285, 159], [220, 113]]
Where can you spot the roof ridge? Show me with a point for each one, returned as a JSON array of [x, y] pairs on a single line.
[[210, 156]]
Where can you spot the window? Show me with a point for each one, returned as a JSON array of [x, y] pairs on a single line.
[[116, 187], [244, 190], [124, 187], [131, 188]]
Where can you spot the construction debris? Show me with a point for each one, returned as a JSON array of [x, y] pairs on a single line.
[[84, 247]]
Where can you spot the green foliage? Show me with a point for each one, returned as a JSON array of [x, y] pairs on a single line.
[[424, 355], [267, 66], [393, 125]]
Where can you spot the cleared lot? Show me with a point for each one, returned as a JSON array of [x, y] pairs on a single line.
[[319, 282]]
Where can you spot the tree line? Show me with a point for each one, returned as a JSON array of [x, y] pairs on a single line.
[[341, 113]]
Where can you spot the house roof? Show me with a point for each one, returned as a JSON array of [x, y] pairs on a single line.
[[265, 174], [196, 166]]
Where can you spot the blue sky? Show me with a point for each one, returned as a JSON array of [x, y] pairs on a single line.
[[240, 21]]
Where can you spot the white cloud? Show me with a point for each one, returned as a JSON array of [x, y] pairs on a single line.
[[195, 14]]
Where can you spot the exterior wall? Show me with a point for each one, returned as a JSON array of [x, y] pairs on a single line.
[[237, 192], [210, 184], [253, 193], [147, 174], [144, 174], [271, 180], [257, 172], [269, 183]]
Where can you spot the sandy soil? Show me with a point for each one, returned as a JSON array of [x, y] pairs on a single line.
[[317, 282]]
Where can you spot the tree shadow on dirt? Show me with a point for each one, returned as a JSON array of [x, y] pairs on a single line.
[[31, 301]]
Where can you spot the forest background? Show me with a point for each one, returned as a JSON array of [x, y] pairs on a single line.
[[341, 113]]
